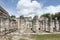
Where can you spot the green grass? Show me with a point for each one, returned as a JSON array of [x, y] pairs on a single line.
[[47, 37], [22, 39], [9, 38]]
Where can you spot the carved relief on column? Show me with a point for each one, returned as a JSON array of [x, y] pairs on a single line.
[[18, 24], [22, 24], [40, 24], [35, 24], [7, 24], [51, 26], [2, 25], [57, 24], [47, 25], [43, 26], [11, 24]]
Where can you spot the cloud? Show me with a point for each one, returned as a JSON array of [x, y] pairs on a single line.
[[33, 7], [52, 9], [28, 7]]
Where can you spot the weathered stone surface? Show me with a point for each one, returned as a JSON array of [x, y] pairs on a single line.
[[26, 24]]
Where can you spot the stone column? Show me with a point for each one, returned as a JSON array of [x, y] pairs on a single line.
[[47, 27], [51, 27], [22, 25], [37, 26], [40, 24], [1, 25], [43, 26], [11, 24], [18, 24], [7, 24], [57, 25]]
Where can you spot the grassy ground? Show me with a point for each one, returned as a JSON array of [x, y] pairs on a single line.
[[22, 39], [47, 37], [39, 37]]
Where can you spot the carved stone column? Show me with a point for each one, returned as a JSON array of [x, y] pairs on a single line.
[[51, 26], [2, 28], [11, 24], [57, 25], [0, 24], [7, 24], [47, 27], [35, 24], [18, 24], [43, 26]]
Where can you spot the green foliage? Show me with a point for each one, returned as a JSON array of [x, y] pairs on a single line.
[[47, 15], [58, 15], [51, 16], [13, 16], [22, 16]]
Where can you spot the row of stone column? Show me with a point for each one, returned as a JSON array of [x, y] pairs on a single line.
[[50, 25], [6, 24]]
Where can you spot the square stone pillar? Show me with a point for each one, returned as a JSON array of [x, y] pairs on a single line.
[[43, 26], [51, 26], [57, 25], [2, 25], [47, 27], [11, 24], [37, 27], [7, 24]]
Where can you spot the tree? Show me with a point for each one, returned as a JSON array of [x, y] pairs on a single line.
[[47, 15], [53, 16], [58, 15], [13, 16]]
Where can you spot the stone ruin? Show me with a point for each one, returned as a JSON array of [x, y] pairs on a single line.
[[26, 24], [7, 24], [37, 25]]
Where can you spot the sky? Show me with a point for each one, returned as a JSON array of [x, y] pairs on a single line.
[[30, 7]]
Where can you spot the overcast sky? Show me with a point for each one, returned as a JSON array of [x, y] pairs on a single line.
[[30, 7]]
